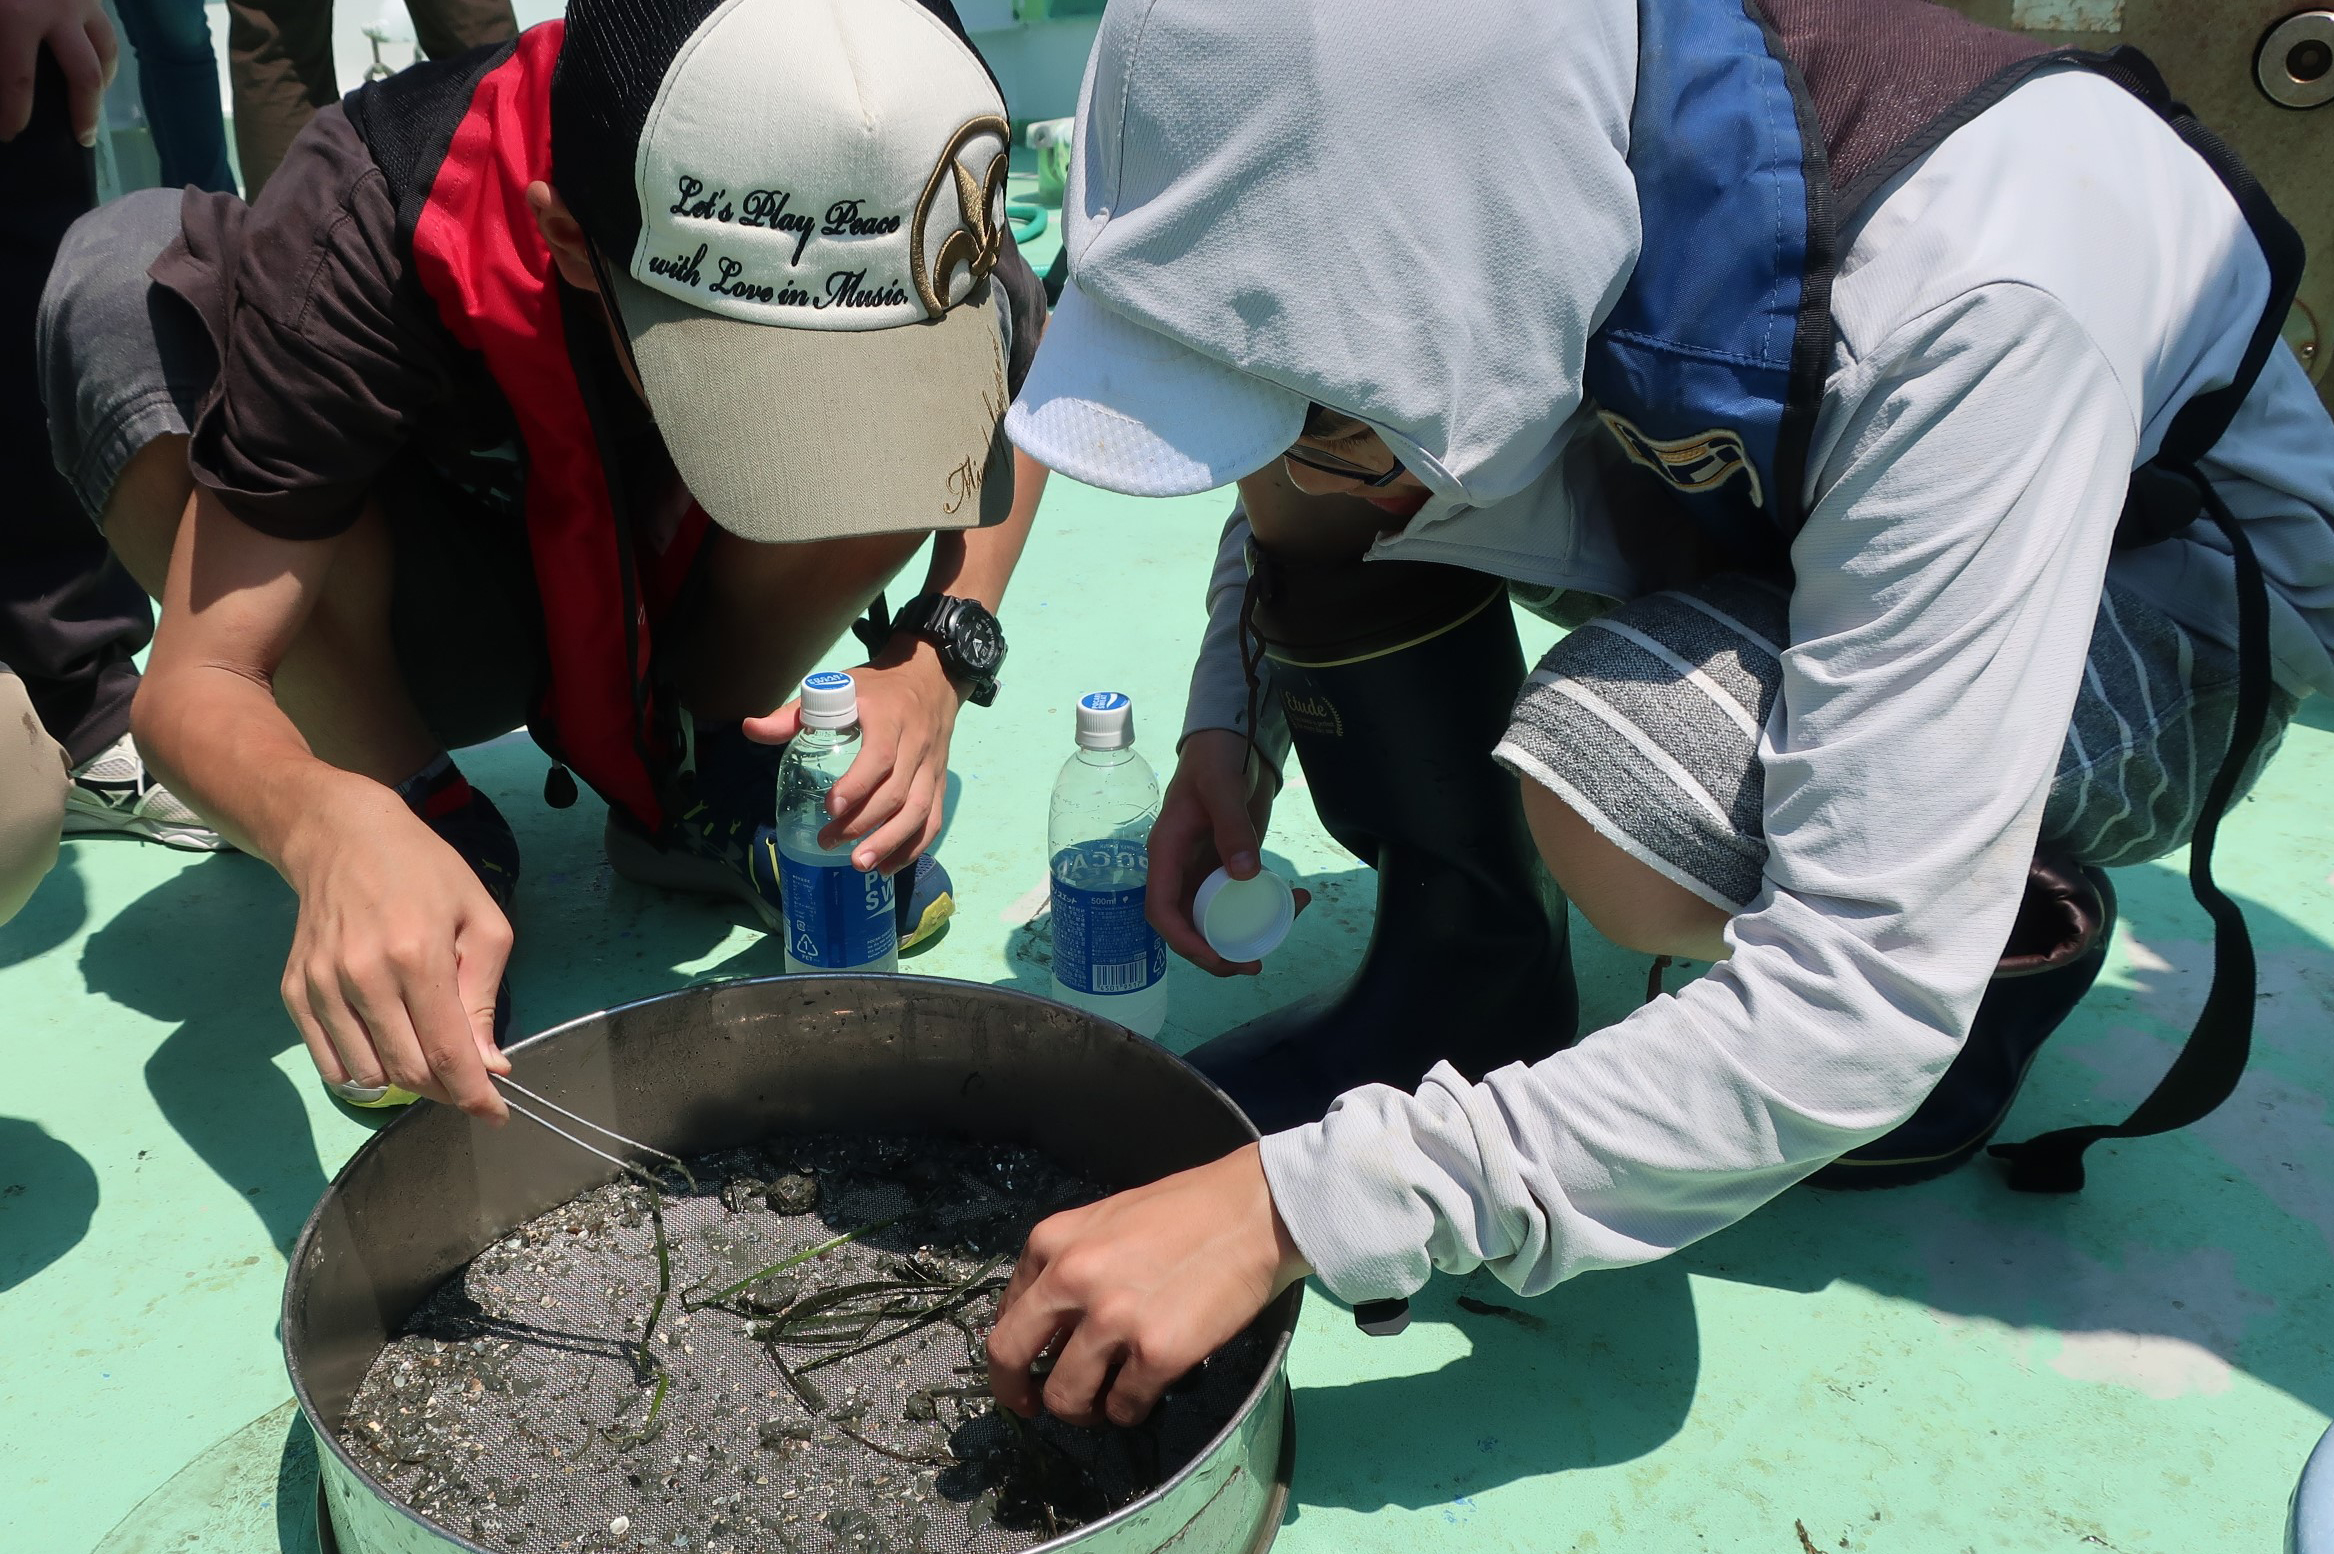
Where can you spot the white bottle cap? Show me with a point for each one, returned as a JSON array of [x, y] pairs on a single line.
[[829, 700], [1244, 920], [1106, 721]]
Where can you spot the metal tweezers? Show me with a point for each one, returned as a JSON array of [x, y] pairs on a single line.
[[629, 1167]]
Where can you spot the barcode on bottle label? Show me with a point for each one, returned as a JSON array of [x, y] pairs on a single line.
[[1128, 976]]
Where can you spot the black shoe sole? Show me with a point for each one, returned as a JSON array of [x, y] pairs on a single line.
[[1876, 1175]]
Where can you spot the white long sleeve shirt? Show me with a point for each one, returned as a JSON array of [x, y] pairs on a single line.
[[2018, 317]]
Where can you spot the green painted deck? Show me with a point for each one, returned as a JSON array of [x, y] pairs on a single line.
[[2141, 1369]]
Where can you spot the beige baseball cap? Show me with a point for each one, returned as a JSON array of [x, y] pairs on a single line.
[[821, 198]]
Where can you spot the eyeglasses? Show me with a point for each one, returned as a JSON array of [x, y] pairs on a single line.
[[1330, 464]]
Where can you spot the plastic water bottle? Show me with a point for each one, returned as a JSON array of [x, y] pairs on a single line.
[[836, 918], [1107, 959]]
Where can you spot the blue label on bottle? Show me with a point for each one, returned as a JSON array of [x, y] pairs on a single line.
[[1102, 943], [836, 917]]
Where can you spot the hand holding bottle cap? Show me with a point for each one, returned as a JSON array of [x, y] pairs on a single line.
[[1244, 920]]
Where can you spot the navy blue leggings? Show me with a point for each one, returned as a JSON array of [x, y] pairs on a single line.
[[178, 81]]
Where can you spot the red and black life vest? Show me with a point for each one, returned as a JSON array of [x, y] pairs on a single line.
[[458, 143]]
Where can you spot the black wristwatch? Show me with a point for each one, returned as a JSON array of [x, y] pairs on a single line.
[[971, 643]]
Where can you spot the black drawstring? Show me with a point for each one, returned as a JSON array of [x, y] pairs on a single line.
[[1252, 662], [2212, 1061]]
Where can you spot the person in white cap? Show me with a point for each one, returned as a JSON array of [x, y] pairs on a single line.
[[1895, 405], [597, 383]]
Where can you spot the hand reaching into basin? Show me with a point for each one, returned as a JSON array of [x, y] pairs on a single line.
[[399, 948], [1132, 1292], [396, 956]]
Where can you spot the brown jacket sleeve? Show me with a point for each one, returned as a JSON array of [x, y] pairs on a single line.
[[325, 363]]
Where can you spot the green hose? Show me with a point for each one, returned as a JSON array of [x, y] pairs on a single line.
[[1028, 220]]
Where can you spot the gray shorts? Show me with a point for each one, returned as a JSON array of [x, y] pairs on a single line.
[[1656, 757], [123, 362]]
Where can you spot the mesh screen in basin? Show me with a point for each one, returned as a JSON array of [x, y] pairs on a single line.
[[838, 1404]]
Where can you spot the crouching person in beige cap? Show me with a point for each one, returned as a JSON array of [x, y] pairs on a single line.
[[598, 383]]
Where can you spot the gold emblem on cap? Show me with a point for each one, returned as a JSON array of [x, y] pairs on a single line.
[[977, 242]]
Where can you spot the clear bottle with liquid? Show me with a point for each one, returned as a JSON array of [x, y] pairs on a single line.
[[1108, 960], [836, 918]]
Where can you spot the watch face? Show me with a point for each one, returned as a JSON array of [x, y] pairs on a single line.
[[979, 644]]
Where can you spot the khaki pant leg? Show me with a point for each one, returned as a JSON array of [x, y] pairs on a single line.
[[279, 65], [32, 797]]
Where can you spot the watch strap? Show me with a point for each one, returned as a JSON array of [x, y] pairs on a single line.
[[925, 615], [933, 617]]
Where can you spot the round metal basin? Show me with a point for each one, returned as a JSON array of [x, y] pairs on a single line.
[[726, 1064]]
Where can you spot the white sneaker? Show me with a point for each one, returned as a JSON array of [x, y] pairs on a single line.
[[113, 794]]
